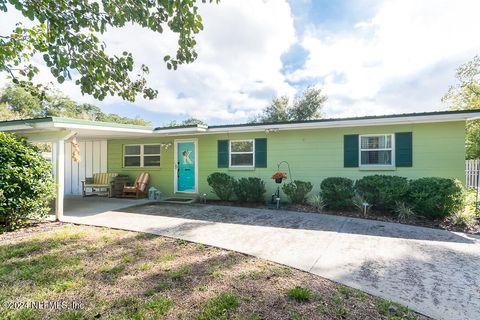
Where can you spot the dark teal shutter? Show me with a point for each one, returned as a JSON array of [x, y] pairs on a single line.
[[222, 160], [350, 150], [403, 149], [261, 153]]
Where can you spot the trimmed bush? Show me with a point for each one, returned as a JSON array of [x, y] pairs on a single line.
[[222, 185], [250, 189], [297, 191], [337, 192], [436, 197], [26, 182], [382, 191]]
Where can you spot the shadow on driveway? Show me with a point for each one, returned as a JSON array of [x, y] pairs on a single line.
[[206, 214]]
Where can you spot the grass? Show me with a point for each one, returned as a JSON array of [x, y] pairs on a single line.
[[127, 259], [127, 275], [166, 257], [401, 312], [340, 307], [218, 307], [144, 266], [299, 293], [159, 306], [351, 292], [179, 274]]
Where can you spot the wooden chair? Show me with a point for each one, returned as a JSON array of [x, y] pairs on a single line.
[[100, 184], [139, 188]]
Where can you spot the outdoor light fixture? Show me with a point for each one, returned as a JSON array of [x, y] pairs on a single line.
[[365, 206], [166, 146]]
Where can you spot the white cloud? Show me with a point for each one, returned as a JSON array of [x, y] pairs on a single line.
[[383, 63], [402, 59], [238, 70]]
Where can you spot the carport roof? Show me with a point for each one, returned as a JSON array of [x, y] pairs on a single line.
[[111, 130], [83, 128]]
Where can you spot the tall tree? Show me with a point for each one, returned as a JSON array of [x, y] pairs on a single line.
[[277, 111], [20, 101], [187, 122], [17, 103], [465, 95], [306, 107], [66, 33]]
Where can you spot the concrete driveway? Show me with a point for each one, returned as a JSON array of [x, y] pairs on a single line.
[[434, 272]]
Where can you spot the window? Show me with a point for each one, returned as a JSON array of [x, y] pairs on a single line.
[[242, 153], [141, 155], [376, 150]]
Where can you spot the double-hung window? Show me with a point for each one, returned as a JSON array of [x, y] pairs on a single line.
[[141, 155], [242, 153], [376, 150]]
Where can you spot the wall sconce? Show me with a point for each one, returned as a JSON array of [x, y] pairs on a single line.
[[166, 146]]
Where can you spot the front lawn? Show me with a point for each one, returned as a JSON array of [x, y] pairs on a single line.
[[63, 271]]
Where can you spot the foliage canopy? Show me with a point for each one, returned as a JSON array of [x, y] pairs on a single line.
[[66, 34], [307, 107], [465, 95], [18, 103]]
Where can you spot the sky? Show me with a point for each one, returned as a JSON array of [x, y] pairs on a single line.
[[369, 57]]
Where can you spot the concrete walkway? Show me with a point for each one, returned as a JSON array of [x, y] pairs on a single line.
[[434, 272]]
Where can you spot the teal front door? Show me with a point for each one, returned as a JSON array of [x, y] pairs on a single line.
[[186, 159]]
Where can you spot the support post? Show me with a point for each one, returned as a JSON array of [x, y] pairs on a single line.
[[59, 178]]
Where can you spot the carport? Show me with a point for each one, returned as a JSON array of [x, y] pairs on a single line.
[[59, 132]]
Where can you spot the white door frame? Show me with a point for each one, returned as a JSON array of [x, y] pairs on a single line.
[[175, 165]]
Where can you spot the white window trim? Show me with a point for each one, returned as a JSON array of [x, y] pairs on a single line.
[[141, 155], [230, 152], [392, 148]]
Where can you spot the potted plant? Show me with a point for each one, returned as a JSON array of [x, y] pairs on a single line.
[[279, 176]]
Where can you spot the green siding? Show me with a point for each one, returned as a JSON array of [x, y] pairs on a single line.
[[438, 150]]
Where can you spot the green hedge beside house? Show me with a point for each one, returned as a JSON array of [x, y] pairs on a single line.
[[26, 182]]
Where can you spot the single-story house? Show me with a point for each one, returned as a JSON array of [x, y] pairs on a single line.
[[179, 159]]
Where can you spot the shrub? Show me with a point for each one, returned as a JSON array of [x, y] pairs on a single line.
[[382, 191], [297, 190], [250, 189], [222, 185], [337, 192], [436, 197], [404, 211], [299, 293], [359, 203], [26, 182], [465, 218], [317, 202]]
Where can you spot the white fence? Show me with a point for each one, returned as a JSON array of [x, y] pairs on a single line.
[[472, 170]]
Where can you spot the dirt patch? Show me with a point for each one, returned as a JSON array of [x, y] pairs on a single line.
[[127, 275]]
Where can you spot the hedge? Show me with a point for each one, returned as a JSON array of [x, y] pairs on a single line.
[[436, 197], [337, 192], [26, 182], [382, 191]]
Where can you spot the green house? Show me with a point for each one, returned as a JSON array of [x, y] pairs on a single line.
[[179, 159]]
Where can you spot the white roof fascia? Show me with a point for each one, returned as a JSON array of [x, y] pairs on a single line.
[[99, 128], [349, 123]]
